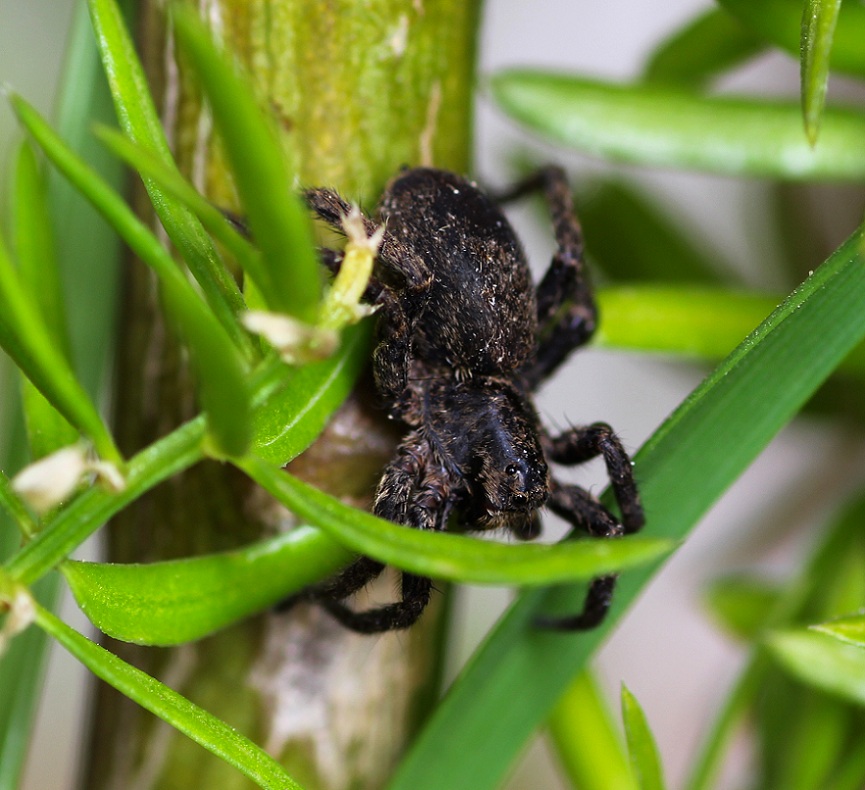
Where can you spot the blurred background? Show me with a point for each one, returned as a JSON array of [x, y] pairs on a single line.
[[667, 650]]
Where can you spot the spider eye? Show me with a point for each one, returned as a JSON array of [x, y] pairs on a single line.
[[511, 469]]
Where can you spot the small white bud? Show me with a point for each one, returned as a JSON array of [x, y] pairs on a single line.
[[21, 613], [352, 224], [294, 340], [50, 480], [109, 475]]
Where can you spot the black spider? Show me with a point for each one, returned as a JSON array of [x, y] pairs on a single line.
[[464, 339]]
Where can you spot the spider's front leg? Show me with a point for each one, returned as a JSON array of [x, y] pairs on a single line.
[[406, 495], [584, 443], [582, 510], [398, 304]]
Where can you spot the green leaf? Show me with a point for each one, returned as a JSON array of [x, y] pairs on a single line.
[[819, 19], [697, 322], [587, 742], [711, 44], [821, 661], [88, 249], [26, 338], [642, 748], [667, 127], [743, 605], [213, 734], [168, 603], [850, 629], [47, 429], [449, 556], [780, 22], [140, 120], [221, 375], [175, 185], [35, 248], [279, 222], [692, 458], [293, 416]]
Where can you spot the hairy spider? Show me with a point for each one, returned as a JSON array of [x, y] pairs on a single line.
[[464, 340]]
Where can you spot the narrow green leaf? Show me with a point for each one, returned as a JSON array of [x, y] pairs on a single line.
[[168, 603], [709, 45], [692, 458], [642, 748], [587, 741], [140, 120], [47, 429], [780, 22], [698, 322], [277, 218], [667, 127], [821, 661], [88, 249], [849, 629], [222, 377], [293, 416], [213, 734], [819, 19], [448, 556], [25, 337], [35, 249], [175, 185]]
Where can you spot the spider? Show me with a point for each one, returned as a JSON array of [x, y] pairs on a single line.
[[464, 339]]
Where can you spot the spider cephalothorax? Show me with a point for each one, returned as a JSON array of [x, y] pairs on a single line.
[[464, 339]]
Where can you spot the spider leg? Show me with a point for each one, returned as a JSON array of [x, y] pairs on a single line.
[[408, 497], [567, 315], [398, 307], [394, 256], [584, 443], [580, 508]]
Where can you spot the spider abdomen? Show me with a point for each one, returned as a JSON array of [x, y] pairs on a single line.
[[479, 315]]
